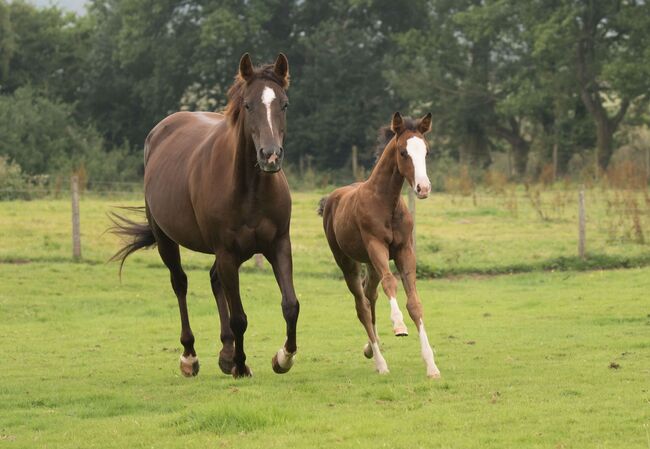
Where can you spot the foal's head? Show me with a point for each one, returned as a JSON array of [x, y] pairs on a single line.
[[259, 100], [412, 149]]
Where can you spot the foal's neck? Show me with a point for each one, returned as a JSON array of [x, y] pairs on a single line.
[[385, 180]]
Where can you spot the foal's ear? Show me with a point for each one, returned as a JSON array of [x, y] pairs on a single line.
[[397, 124], [281, 69], [424, 125], [246, 67]]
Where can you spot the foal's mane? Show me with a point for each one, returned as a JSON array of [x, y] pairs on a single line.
[[385, 135], [236, 91]]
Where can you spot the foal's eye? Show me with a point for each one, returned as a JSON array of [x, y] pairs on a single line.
[[286, 105], [247, 106], [404, 153]]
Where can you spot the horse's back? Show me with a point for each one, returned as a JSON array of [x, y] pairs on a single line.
[[181, 132]]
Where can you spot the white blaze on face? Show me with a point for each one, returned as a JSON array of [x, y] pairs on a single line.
[[268, 95], [417, 149]]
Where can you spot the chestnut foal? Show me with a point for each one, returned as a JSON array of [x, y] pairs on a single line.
[[369, 223]]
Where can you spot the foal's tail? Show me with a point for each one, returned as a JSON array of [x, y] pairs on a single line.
[[321, 205], [135, 235]]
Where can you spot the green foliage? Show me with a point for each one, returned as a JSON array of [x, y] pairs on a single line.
[[42, 136]]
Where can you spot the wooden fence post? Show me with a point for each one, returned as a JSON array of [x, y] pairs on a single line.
[[412, 209], [76, 228], [355, 162], [581, 223]]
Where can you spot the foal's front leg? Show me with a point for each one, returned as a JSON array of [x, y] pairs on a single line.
[[378, 253], [405, 262], [282, 263], [228, 271]]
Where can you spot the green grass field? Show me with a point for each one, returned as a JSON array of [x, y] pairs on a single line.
[[542, 360]]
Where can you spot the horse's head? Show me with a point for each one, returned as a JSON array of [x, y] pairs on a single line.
[[264, 109], [412, 150]]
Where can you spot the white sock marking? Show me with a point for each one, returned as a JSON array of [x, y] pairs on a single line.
[[396, 315], [380, 362], [427, 352], [189, 360], [417, 149], [268, 95]]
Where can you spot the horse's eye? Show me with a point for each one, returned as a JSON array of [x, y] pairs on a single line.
[[247, 106], [286, 105], [403, 153]]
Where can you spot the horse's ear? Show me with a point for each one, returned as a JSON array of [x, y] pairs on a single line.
[[281, 69], [246, 67], [397, 124], [424, 125]]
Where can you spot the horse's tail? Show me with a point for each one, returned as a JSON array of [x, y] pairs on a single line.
[[135, 235], [321, 205]]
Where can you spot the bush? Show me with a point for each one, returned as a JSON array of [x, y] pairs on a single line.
[[41, 136]]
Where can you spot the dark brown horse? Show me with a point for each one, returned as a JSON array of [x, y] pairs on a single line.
[[213, 183], [369, 223]]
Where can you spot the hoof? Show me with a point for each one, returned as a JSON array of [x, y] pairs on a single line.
[[401, 331], [383, 370], [226, 365], [433, 374], [282, 361], [189, 366], [367, 350], [225, 359], [237, 373]]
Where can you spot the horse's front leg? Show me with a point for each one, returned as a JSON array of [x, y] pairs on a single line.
[[281, 261], [227, 337], [228, 271], [405, 262]]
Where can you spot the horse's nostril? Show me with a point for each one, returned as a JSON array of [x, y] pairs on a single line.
[[417, 188]]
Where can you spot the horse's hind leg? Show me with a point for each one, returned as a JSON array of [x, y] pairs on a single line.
[[170, 254], [227, 337], [370, 284], [352, 273]]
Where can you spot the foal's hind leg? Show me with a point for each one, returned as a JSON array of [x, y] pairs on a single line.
[[370, 284], [405, 261], [378, 254], [170, 255], [351, 272], [227, 337]]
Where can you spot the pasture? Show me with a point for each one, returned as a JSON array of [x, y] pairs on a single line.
[[548, 359]]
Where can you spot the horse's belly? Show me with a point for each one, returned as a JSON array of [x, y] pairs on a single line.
[[349, 238]]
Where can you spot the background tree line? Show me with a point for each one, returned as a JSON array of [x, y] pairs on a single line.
[[554, 79]]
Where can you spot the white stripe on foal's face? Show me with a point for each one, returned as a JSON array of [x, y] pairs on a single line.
[[268, 95], [417, 149]]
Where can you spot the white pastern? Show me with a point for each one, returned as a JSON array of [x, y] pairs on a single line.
[[397, 318], [417, 149], [189, 360], [268, 95], [380, 362], [427, 353], [285, 359]]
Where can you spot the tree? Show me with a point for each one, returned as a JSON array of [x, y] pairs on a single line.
[[605, 46]]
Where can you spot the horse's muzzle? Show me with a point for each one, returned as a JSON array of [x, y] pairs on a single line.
[[270, 159]]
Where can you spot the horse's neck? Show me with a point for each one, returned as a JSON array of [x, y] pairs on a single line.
[[385, 179], [247, 176]]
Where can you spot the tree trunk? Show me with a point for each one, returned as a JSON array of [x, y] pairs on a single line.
[[604, 142], [474, 150], [520, 150]]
